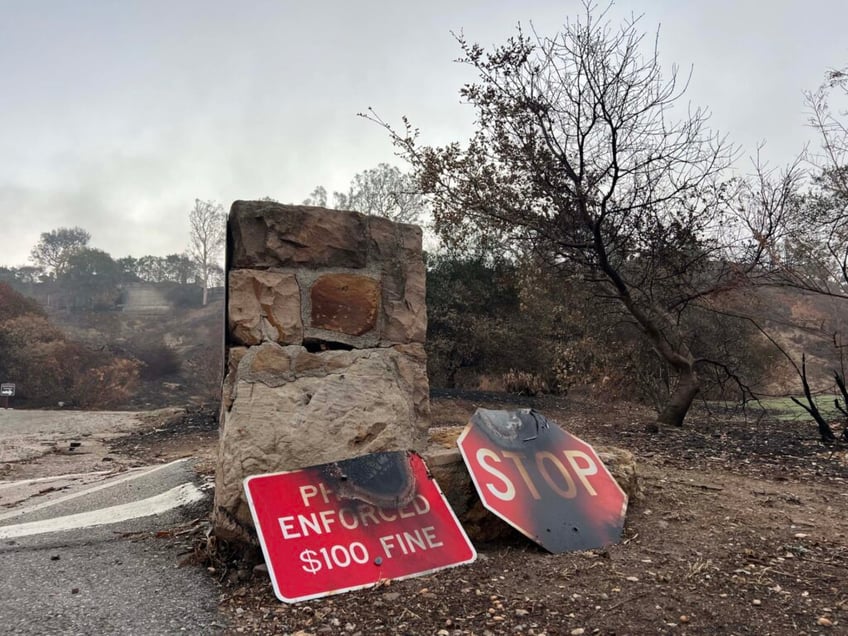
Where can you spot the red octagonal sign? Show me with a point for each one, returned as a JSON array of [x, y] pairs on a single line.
[[546, 483]]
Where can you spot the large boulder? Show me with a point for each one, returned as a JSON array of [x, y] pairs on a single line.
[[289, 408]]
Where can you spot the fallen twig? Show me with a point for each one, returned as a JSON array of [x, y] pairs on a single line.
[[694, 485], [627, 600]]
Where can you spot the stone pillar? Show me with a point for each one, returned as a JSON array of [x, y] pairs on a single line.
[[326, 321]]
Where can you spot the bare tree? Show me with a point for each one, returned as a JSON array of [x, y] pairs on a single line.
[[831, 127], [583, 151], [824, 225], [317, 197], [207, 231], [801, 219], [383, 191]]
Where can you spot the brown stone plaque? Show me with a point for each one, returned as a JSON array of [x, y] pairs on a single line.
[[346, 303]]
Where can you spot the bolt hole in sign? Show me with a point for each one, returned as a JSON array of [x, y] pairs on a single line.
[[355, 523], [543, 481]]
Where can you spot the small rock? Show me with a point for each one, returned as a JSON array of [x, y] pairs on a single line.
[[521, 612], [260, 568], [443, 632], [578, 631], [824, 621], [756, 602], [683, 619], [391, 596], [74, 590], [55, 557], [632, 579]]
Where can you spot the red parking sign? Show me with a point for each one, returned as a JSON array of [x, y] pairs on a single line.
[[546, 483], [351, 524]]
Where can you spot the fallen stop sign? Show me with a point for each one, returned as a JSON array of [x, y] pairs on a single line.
[[546, 483], [351, 524]]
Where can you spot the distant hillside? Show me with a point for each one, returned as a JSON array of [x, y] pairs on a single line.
[[802, 324], [179, 344], [179, 347]]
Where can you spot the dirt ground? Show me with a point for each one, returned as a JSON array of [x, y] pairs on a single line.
[[741, 529]]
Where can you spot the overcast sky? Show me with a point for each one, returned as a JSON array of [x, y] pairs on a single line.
[[116, 115]]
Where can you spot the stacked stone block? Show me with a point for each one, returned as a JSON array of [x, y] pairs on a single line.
[[326, 321]]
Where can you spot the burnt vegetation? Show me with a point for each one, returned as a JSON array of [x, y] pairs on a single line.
[[625, 255]]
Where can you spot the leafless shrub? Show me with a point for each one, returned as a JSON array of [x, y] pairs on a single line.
[[524, 383]]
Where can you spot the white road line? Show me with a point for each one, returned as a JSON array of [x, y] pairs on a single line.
[[46, 504], [178, 496], [6, 483]]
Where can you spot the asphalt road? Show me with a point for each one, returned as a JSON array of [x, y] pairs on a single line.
[[81, 555]]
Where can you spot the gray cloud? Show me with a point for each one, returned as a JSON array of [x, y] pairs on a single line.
[[117, 115]]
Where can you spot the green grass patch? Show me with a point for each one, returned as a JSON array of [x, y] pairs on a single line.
[[784, 408]]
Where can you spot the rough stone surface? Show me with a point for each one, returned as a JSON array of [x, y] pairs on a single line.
[[326, 327], [445, 463], [290, 408], [271, 236], [234, 356], [345, 302], [266, 234], [263, 306], [404, 304], [389, 241]]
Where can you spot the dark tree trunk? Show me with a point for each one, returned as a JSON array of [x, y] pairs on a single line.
[[681, 400], [661, 331]]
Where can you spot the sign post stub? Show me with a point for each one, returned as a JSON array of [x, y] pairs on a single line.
[[7, 390], [548, 484], [351, 524]]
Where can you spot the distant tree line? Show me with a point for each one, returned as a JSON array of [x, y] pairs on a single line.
[[63, 256]]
